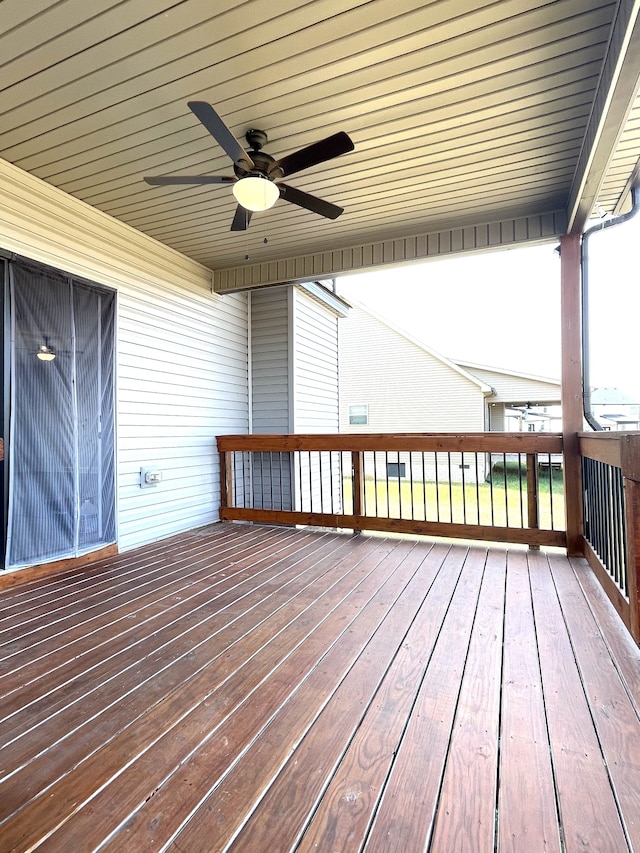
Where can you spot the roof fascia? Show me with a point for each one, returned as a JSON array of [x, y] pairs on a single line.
[[614, 98], [504, 372]]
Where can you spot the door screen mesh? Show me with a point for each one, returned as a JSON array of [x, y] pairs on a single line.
[[61, 487]]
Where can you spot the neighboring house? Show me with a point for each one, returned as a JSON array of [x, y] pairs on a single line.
[[391, 382], [520, 402], [113, 439], [614, 409]]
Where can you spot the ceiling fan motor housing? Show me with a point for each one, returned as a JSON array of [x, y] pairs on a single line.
[[263, 163]]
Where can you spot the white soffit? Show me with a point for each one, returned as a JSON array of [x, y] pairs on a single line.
[[477, 123]]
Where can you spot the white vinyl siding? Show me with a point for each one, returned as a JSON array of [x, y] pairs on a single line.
[[270, 345], [407, 388], [294, 365], [496, 417], [181, 353], [316, 397], [316, 366], [270, 360], [182, 379]]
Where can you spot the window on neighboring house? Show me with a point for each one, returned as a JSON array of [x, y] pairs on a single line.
[[359, 414], [396, 469]]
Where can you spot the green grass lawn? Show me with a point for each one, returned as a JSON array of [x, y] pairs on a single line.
[[471, 504]]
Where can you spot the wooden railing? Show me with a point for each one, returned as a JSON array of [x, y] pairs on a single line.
[[504, 487], [611, 517]]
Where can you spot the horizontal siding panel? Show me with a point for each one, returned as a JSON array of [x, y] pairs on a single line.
[[270, 360], [316, 366]]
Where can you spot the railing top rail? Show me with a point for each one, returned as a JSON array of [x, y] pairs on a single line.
[[479, 442], [619, 449]]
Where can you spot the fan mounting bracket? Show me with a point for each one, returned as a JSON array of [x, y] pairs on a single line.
[[257, 139]]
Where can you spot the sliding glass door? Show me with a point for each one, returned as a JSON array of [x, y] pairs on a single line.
[[61, 436]]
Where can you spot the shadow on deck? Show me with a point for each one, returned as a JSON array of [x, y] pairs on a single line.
[[264, 689]]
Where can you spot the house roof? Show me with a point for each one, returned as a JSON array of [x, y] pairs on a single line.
[[501, 370], [476, 124], [320, 293], [515, 388]]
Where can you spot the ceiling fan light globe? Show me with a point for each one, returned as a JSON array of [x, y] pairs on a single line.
[[45, 353], [255, 193]]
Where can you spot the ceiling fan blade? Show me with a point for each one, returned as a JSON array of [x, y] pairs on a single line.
[[166, 180], [319, 152], [241, 219], [221, 133], [310, 202]]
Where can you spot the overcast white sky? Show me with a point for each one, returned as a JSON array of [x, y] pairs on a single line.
[[499, 308], [614, 307], [503, 308]]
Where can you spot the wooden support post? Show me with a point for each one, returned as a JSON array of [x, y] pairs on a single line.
[[226, 481], [532, 494], [357, 468], [632, 513], [572, 407], [630, 459]]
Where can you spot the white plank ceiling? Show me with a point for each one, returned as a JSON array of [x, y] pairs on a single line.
[[462, 112]]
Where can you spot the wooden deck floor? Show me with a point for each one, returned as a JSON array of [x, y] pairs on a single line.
[[259, 689]]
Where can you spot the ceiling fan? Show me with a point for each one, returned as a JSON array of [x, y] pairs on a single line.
[[257, 181]]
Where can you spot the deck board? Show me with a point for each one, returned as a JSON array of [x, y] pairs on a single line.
[[408, 807], [468, 822], [527, 818], [588, 813], [262, 689]]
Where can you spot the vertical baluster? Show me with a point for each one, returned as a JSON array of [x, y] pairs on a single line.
[[464, 489], [375, 481], [435, 465], [271, 501], [532, 493], [491, 498], [357, 487], [386, 480], [424, 484], [520, 490], [620, 542], [599, 511], [551, 510], [476, 455], [332, 503], [506, 493], [450, 487], [413, 512]]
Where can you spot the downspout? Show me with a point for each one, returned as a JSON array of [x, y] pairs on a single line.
[[599, 226]]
